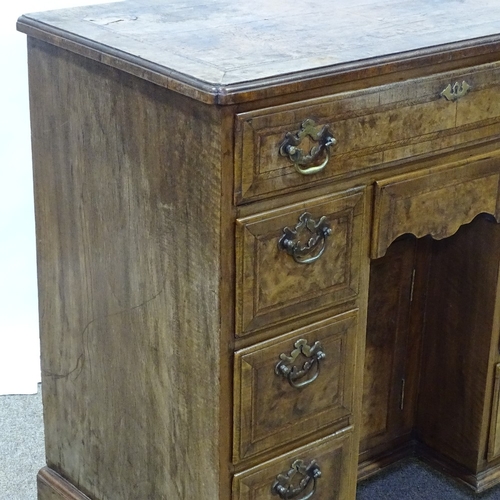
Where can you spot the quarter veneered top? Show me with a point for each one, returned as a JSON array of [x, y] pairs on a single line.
[[212, 49]]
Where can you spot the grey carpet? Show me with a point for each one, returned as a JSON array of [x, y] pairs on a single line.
[[412, 479], [21, 456], [21, 446]]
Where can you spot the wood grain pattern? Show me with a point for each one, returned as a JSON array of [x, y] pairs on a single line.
[[333, 455], [387, 349], [252, 50], [129, 303], [453, 416], [494, 429], [372, 127], [435, 202], [459, 347], [51, 486], [272, 287], [269, 412], [396, 318], [165, 300]]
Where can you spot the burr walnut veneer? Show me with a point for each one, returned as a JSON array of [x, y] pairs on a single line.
[[268, 249]]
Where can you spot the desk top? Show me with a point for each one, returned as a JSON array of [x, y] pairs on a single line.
[[228, 51]]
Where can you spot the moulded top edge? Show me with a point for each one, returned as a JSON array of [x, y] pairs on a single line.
[[225, 52]]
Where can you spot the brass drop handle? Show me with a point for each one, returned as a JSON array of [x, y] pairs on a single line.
[[456, 92], [301, 376], [305, 482], [315, 234], [317, 158]]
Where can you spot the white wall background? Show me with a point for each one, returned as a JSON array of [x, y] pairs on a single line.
[[19, 344]]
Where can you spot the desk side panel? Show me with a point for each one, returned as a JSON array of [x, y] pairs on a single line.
[[128, 194]]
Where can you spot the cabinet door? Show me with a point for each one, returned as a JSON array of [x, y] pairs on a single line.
[[396, 311], [390, 353]]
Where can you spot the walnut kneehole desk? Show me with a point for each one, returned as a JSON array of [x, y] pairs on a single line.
[[268, 249]]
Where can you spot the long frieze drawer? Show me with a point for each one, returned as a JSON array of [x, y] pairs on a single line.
[[294, 385], [292, 146], [323, 470], [436, 201], [298, 259]]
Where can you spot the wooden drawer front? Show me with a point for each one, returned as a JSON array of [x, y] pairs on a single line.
[[333, 457], [272, 410], [272, 287], [372, 127], [436, 201]]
